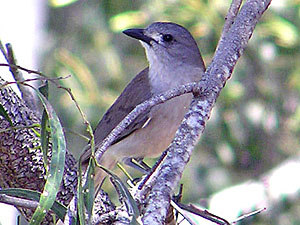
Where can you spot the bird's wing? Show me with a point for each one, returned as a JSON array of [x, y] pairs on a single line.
[[125, 103]]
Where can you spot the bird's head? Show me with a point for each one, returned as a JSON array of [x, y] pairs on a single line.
[[168, 44]]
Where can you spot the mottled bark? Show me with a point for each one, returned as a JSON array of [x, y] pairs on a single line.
[[21, 158]]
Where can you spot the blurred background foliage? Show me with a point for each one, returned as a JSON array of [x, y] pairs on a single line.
[[255, 124]]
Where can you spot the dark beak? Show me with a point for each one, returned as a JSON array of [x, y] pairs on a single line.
[[138, 34]]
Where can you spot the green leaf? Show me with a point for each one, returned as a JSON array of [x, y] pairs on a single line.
[[124, 193], [284, 30], [86, 192], [5, 115], [126, 20], [61, 3], [80, 197], [89, 189], [44, 89], [55, 174], [57, 208], [45, 134]]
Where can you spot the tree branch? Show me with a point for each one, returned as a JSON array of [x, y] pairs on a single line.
[[229, 20], [18, 202], [27, 94], [230, 49]]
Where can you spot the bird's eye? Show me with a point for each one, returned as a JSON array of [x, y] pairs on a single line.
[[167, 37]]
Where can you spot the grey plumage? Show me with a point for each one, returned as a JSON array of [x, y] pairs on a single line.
[[124, 104], [174, 59]]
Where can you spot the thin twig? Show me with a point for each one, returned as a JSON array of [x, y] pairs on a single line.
[[24, 69], [249, 214], [53, 80], [2, 49], [85, 121], [26, 93], [34, 72], [18, 202], [76, 133], [6, 83], [203, 213], [182, 212], [178, 198], [18, 76]]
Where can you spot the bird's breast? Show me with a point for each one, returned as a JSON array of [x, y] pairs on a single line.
[[157, 134]]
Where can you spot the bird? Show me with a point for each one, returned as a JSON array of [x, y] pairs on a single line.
[[174, 59]]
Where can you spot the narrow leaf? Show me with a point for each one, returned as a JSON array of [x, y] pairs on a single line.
[[80, 197], [5, 115], [123, 191], [57, 208], [88, 188], [45, 135], [55, 174], [44, 89]]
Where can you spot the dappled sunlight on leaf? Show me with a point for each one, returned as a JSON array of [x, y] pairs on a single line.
[[61, 3], [294, 121], [254, 112], [268, 51], [235, 90], [80, 71], [127, 20], [284, 31]]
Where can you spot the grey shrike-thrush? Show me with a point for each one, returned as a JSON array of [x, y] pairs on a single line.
[[174, 60]]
